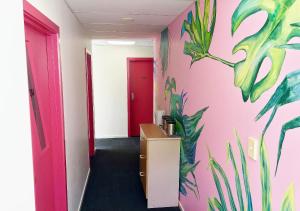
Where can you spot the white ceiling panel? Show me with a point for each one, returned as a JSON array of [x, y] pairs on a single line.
[[96, 18], [142, 17], [124, 28]]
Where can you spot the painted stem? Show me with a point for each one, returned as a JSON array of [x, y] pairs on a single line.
[[230, 64]]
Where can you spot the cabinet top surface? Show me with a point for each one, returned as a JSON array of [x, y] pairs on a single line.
[[154, 132]]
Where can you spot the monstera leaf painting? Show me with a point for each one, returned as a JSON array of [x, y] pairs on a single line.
[[278, 30], [220, 176], [287, 92], [187, 128], [270, 41]]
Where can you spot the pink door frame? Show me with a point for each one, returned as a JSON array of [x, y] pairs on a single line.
[[90, 102], [41, 23], [129, 60]]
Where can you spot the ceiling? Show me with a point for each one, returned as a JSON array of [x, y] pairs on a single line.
[[107, 19]]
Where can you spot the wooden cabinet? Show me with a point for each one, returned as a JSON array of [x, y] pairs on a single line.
[[159, 166]]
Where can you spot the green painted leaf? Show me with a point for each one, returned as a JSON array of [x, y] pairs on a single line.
[[164, 49], [295, 46], [211, 206], [237, 177], [217, 204], [265, 178], [200, 29], [288, 203], [187, 168], [191, 122], [218, 186], [277, 30], [217, 167], [179, 128], [287, 92], [187, 128], [214, 203], [245, 173], [295, 123], [190, 145]]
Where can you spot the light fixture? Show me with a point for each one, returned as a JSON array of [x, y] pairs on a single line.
[[127, 19], [121, 42]]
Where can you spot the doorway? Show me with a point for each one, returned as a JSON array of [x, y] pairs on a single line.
[[90, 103], [140, 93], [46, 111]]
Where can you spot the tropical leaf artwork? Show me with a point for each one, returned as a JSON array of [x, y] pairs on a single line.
[[288, 203], [270, 41], [278, 30], [187, 128], [218, 172], [287, 92], [201, 29], [265, 178], [164, 49], [220, 177]]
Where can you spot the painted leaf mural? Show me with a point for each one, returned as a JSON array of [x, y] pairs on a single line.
[[295, 123], [270, 41], [187, 128], [216, 169], [164, 49], [288, 203], [277, 30], [287, 92], [200, 30], [265, 178], [218, 172]]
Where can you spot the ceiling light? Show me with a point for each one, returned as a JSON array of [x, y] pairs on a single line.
[[120, 42], [127, 19]]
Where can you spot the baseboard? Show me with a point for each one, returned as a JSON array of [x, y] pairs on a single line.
[[180, 206], [83, 191]]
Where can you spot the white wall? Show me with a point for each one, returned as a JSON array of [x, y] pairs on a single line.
[[110, 87], [16, 177], [16, 183], [72, 44]]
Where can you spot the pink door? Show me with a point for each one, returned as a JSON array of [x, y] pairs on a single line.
[[36, 43], [140, 93], [90, 103], [45, 111]]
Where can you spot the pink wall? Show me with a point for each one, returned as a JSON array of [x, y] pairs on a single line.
[[210, 83]]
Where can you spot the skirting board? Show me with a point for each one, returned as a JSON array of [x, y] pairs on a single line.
[[83, 191], [180, 206]]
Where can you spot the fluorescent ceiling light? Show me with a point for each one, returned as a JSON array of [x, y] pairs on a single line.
[[120, 42], [127, 19]]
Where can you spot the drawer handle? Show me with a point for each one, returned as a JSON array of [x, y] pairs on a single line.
[[142, 156], [142, 174]]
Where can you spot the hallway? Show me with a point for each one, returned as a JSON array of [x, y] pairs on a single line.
[[114, 183]]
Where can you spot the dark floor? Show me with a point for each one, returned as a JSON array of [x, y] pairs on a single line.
[[114, 183]]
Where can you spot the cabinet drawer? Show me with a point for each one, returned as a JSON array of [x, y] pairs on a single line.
[[143, 148], [143, 173]]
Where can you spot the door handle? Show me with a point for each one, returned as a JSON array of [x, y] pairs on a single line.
[[31, 92], [132, 96]]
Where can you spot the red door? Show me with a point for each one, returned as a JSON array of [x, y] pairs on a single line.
[[140, 93], [90, 103], [46, 111]]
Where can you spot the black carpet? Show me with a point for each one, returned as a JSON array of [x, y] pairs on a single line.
[[114, 183]]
